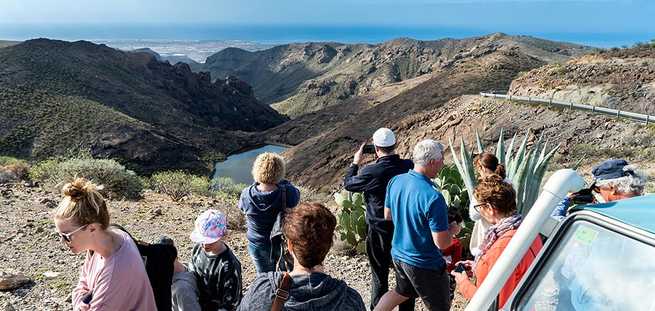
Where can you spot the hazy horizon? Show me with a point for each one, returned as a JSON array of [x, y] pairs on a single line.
[[603, 23], [279, 34]]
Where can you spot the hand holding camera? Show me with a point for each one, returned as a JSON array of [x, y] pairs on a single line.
[[364, 148]]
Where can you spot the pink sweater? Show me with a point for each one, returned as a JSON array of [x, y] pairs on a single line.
[[118, 282]]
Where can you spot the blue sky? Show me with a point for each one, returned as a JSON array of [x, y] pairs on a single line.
[[607, 17]]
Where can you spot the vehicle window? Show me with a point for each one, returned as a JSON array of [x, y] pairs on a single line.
[[594, 269]]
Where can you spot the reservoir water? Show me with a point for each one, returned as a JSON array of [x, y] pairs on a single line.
[[238, 166]]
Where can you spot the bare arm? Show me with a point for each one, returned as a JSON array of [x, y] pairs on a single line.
[[387, 213], [441, 239]]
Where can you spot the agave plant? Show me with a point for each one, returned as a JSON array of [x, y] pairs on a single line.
[[525, 168], [351, 223]]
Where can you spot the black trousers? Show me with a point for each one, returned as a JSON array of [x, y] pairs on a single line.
[[431, 285], [378, 248]]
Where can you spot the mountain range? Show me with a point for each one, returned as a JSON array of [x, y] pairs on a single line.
[[322, 98], [56, 96]]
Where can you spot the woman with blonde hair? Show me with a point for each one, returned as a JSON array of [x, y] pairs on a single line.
[[262, 203], [113, 276]]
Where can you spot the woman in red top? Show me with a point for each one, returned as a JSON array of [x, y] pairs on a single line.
[[496, 204]]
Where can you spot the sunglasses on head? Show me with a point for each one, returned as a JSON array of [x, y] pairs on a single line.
[[66, 237]]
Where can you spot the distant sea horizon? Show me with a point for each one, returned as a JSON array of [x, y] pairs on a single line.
[[281, 34]]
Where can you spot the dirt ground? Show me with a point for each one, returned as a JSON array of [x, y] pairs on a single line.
[[29, 245]]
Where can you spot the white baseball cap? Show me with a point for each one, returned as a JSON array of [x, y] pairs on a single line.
[[384, 137]]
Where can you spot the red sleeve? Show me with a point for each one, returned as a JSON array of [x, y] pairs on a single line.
[[457, 251]]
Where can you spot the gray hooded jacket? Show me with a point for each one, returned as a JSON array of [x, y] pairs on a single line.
[[317, 291]]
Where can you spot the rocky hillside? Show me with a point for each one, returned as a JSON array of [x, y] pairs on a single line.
[[301, 78], [319, 161], [621, 79], [447, 105], [57, 96]]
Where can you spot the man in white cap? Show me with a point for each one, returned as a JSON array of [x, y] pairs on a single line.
[[212, 279], [372, 180]]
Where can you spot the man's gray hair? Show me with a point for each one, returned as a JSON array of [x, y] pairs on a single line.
[[634, 182], [427, 150]]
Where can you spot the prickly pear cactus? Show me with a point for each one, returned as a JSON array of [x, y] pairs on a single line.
[[351, 223]]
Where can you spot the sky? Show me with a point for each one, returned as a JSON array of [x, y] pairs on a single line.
[[561, 17]]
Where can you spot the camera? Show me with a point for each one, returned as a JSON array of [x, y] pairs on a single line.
[[460, 268], [368, 149], [584, 196]]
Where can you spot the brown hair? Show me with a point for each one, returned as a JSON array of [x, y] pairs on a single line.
[[310, 229], [83, 204], [269, 168], [499, 194], [489, 162]]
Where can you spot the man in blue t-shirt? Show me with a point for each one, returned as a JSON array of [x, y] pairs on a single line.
[[420, 217]]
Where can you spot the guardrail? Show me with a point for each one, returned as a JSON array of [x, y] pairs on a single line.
[[594, 109]]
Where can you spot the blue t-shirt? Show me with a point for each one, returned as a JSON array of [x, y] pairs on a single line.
[[417, 209]]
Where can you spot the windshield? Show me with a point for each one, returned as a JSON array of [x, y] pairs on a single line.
[[594, 268]]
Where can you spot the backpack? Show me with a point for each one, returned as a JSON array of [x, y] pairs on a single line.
[[284, 262], [158, 260]]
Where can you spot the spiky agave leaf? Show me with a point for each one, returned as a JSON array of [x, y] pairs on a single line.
[[517, 161], [467, 162], [538, 175], [478, 142], [469, 179], [500, 147], [519, 184], [508, 153]]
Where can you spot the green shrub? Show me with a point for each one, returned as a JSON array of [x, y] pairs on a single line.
[[5, 160], [227, 186], [200, 185], [178, 184], [117, 181], [175, 184]]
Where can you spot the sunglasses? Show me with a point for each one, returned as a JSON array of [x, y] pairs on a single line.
[[66, 237]]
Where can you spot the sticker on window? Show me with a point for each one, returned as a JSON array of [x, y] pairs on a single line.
[[585, 235]]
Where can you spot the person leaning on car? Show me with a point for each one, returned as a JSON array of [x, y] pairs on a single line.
[[372, 180], [614, 179]]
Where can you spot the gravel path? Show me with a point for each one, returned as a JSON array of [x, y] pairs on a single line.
[[28, 245]]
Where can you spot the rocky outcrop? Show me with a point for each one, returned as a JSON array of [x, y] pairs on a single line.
[[622, 79]]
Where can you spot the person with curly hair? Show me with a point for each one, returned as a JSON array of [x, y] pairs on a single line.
[[264, 203], [309, 229], [113, 276], [496, 203]]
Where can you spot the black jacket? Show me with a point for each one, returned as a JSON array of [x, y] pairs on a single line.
[[219, 278], [372, 180]]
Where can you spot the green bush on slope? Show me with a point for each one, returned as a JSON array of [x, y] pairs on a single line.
[[116, 180]]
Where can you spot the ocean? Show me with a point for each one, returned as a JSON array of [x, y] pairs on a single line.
[[280, 34]]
